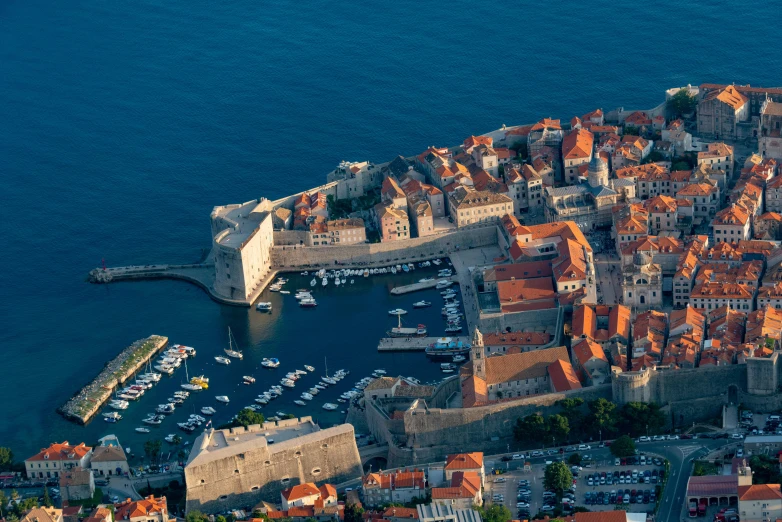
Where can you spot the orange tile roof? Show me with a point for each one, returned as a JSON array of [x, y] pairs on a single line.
[[661, 204], [563, 376], [62, 451], [760, 492], [464, 461], [722, 291], [638, 118], [400, 512], [546, 123], [585, 350], [570, 265], [730, 96], [300, 491], [474, 141], [474, 392], [578, 144], [141, 508], [525, 365], [584, 322], [531, 289]]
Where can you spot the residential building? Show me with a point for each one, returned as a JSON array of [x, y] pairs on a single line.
[[444, 513], [149, 509], [662, 214], [661, 250], [392, 222], [650, 334], [392, 194], [631, 227], [770, 129], [760, 503], [349, 231], [465, 463], [721, 110], [51, 462], [770, 295], [463, 493], [398, 487], [631, 151], [731, 224], [42, 514], [768, 226], [422, 219], [590, 358], [576, 151], [308, 494], [468, 206], [355, 178], [774, 195], [439, 166], [545, 133], [525, 188], [713, 295], [76, 484], [109, 461], [704, 198], [718, 156], [604, 325], [680, 139]]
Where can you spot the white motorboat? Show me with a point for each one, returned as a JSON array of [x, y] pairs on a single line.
[[397, 311], [208, 410], [222, 360], [288, 383], [153, 419], [313, 282], [319, 387], [308, 302], [164, 368], [300, 403], [301, 294], [170, 438], [270, 363], [247, 379], [304, 273], [330, 406], [380, 372], [455, 328], [393, 270], [151, 376], [366, 273], [223, 398], [119, 404], [328, 380], [286, 292], [142, 430], [324, 281], [182, 394], [262, 400], [292, 376], [197, 418], [165, 408], [422, 304], [436, 262], [309, 368], [191, 387], [313, 391], [306, 396], [264, 306], [112, 415]]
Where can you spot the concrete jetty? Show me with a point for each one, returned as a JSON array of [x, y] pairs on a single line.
[[410, 344], [406, 289], [86, 403]]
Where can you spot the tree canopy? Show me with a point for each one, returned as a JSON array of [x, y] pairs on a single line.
[[248, 417], [557, 477], [152, 448], [531, 428], [623, 446], [602, 416], [353, 513], [558, 428], [6, 458], [495, 513], [681, 103], [641, 418], [196, 516]]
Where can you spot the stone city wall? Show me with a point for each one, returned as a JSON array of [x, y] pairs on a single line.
[[409, 250], [244, 479], [439, 431], [550, 320]]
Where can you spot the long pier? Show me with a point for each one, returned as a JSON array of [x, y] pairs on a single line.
[[410, 344], [86, 403], [415, 287]]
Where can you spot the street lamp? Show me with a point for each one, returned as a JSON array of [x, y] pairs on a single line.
[[647, 430]]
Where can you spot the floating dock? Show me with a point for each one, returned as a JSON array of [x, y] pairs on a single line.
[[86, 403], [406, 289], [410, 344]]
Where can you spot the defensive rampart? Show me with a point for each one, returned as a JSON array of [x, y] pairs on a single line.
[[416, 249]]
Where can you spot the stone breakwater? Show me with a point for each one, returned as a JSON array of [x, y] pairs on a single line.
[[86, 403]]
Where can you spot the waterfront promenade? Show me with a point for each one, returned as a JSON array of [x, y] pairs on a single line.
[[410, 344]]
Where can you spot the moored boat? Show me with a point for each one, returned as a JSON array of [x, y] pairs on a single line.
[[270, 362], [263, 306], [330, 406], [223, 398]]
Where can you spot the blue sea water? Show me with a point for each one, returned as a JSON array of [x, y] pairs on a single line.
[[122, 123]]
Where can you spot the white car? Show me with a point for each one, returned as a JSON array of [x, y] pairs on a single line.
[[739, 452], [644, 439], [658, 437], [499, 480], [522, 504], [673, 437], [737, 436], [517, 456], [584, 447]]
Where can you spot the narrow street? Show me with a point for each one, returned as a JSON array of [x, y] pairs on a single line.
[[608, 274]]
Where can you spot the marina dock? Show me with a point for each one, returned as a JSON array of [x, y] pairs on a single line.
[[406, 289], [410, 344], [86, 403]]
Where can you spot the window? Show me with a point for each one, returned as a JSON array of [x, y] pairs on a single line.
[[223, 497], [316, 471]]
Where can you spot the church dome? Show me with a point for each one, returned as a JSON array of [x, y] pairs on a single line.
[[597, 171]]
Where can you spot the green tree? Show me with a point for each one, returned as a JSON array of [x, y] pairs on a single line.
[[557, 477], [259, 514], [15, 495], [653, 157], [196, 516], [602, 417], [681, 103], [623, 446], [640, 418], [571, 409], [46, 500], [531, 428], [353, 513], [6, 459], [220, 518], [152, 448], [177, 440], [495, 513], [631, 130], [3, 503], [558, 428], [26, 505], [574, 459], [248, 417]]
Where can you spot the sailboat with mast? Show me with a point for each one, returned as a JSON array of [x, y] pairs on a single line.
[[230, 352], [188, 385]]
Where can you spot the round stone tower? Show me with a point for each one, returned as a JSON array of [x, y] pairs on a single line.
[[597, 172]]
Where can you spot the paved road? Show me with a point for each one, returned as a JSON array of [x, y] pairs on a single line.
[[608, 274]]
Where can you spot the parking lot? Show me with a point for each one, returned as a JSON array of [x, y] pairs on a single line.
[[597, 486]]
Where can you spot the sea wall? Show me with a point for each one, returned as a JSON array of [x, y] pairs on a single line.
[[87, 401], [416, 249]]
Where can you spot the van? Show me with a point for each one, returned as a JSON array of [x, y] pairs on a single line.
[[774, 418]]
